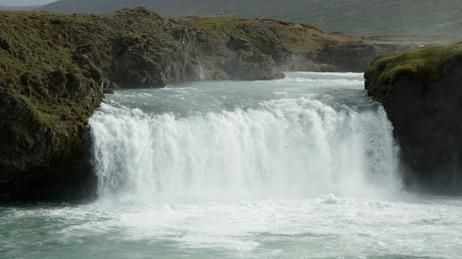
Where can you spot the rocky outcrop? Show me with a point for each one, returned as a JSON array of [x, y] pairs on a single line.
[[354, 56], [55, 69], [421, 91], [235, 48]]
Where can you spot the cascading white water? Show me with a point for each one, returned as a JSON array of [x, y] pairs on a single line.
[[288, 146]]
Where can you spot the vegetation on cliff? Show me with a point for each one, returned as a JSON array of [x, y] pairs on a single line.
[[418, 64]]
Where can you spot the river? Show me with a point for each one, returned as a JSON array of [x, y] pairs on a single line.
[[301, 167]]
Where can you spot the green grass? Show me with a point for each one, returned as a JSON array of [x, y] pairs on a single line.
[[33, 45], [213, 22], [417, 64]]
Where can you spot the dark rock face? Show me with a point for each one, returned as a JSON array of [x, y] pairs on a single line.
[[352, 56], [355, 57], [427, 119], [250, 65], [66, 176], [139, 63], [144, 59]]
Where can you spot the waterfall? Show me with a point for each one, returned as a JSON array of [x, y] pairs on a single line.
[[289, 147]]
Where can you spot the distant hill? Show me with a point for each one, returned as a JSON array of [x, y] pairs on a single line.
[[17, 8], [356, 17]]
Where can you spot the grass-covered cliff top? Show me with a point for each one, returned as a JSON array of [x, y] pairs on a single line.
[[48, 59], [418, 64], [293, 36]]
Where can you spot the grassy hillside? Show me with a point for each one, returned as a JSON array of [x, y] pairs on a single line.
[[18, 8], [358, 17]]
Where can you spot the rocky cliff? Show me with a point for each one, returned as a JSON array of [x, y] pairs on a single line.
[[235, 48], [421, 91], [54, 70]]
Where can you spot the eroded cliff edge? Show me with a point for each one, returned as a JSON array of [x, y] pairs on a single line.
[[421, 91], [55, 69]]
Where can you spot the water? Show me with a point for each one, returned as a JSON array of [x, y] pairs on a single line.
[[300, 167]]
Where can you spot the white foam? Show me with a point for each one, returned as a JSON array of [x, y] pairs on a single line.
[[270, 228]]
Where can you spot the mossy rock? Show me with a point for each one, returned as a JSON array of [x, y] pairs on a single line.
[[418, 64]]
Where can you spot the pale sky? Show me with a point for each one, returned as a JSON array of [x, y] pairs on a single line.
[[24, 2]]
